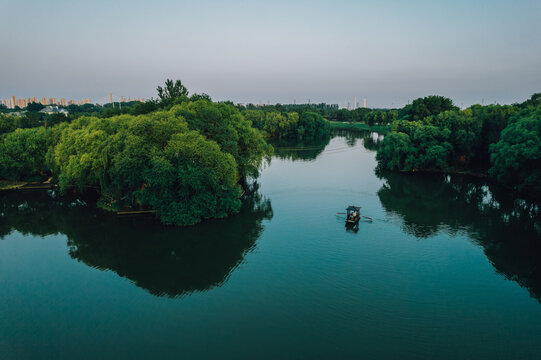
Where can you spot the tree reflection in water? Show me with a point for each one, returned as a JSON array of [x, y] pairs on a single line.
[[371, 140], [165, 261], [508, 229], [300, 150], [309, 150]]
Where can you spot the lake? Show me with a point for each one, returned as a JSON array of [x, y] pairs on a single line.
[[449, 268]]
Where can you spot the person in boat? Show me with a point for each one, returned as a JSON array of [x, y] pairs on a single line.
[[354, 215]]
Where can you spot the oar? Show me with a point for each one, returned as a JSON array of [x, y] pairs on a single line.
[[366, 217], [341, 213]]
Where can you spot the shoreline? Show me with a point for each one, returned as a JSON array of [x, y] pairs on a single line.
[[359, 126]]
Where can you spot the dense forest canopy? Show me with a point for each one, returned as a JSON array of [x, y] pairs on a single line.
[[500, 141]]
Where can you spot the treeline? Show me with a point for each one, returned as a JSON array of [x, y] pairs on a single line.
[[499, 141], [289, 125], [30, 119], [185, 160], [369, 116]]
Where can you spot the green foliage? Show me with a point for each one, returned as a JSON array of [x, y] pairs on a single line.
[[234, 133], [186, 170], [533, 101], [289, 125], [505, 139], [146, 160], [203, 96], [417, 147], [191, 180], [427, 106], [7, 124], [493, 118], [34, 106], [516, 157], [172, 93], [380, 117], [312, 125], [140, 108], [185, 160], [396, 152], [22, 154], [256, 117], [277, 125]]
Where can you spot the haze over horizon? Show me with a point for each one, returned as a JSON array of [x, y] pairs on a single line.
[[387, 51]]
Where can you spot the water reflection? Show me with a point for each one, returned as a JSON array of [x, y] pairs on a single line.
[[309, 150], [165, 261], [508, 229], [300, 150], [370, 140]]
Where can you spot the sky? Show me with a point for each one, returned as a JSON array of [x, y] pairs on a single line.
[[387, 51]]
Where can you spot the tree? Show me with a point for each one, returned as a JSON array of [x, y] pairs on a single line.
[[22, 154], [191, 180], [172, 92], [7, 124], [234, 134], [34, 106], [146, 107], [394, 151], [516, 158], [423, 107]]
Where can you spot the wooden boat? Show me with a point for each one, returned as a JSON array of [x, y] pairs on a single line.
[[353, 215]]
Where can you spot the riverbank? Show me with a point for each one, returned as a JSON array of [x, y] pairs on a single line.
[[359, 126], [451, 171], [24, 185]]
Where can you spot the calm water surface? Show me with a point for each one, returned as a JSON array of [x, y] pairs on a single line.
[[450, 268]]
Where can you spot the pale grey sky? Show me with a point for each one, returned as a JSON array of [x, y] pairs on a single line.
[[386, 51]]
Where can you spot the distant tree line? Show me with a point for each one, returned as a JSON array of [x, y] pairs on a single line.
[[289, 125], [500, 141], [333, 113]]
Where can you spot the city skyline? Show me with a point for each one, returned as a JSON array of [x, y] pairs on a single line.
[[13, 101], [388, 51]]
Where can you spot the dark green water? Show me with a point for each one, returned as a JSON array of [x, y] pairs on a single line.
[[450, 268]]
